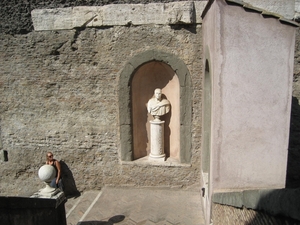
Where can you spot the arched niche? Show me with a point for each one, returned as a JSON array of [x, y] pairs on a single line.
[[170, 64], [145, 80], [206, 126]]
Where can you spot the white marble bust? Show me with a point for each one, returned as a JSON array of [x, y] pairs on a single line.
[[158, 106]]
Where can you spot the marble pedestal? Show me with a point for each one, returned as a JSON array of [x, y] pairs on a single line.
[[157, 140], [48, 191]]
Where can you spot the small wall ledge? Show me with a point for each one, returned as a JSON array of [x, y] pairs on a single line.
[[185, 12], [146, 162]]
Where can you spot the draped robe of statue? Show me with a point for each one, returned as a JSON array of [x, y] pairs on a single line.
[[157, 106]]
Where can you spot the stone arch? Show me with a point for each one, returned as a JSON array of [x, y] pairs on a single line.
[[207, 103], [125, 104], [206, 126], [145, 80]]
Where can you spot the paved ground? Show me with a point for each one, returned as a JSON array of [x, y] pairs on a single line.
[[227, 215], [136, 206]]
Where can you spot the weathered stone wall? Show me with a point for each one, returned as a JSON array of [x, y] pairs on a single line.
[[15, 17], [59, 93], [296, 84]]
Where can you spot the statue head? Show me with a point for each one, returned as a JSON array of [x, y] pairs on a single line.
[[158, 105], [157, 93]]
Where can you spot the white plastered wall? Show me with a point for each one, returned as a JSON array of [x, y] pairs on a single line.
[[251, 61]]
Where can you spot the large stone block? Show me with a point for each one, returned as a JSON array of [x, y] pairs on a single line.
[[186, 12]]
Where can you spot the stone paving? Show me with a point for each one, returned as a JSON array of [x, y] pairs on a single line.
[[136, 206], [228, 215]]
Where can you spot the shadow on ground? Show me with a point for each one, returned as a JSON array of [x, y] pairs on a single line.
[[111, 221], [270, 207], [69, 185], [293, 166], [284, 204]]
